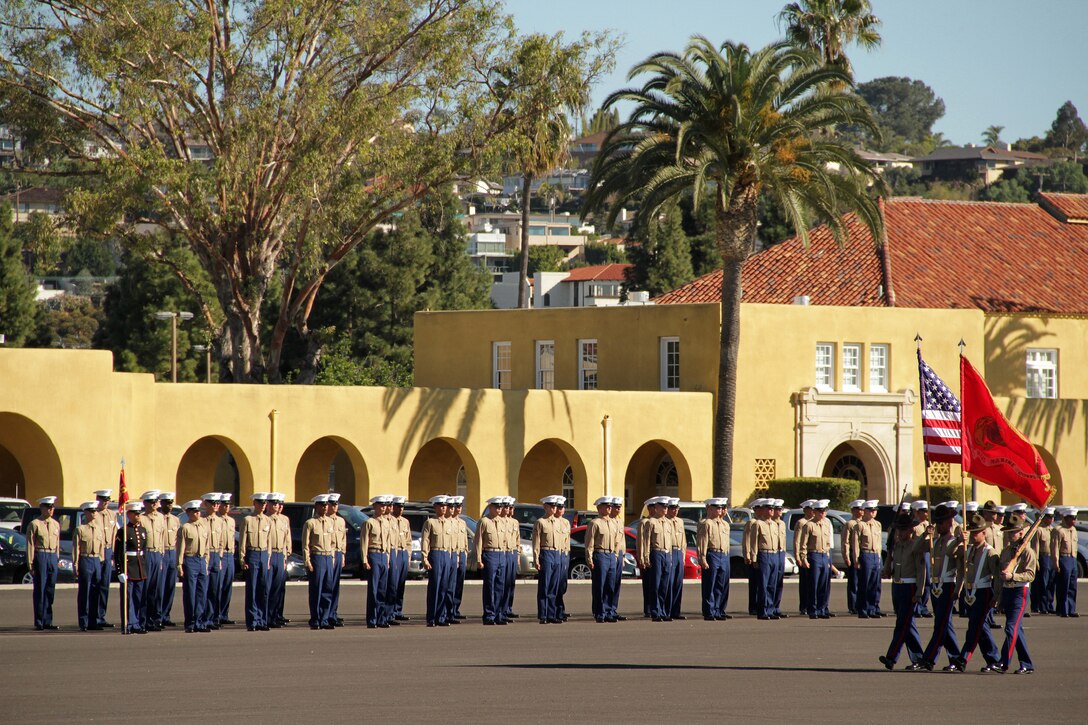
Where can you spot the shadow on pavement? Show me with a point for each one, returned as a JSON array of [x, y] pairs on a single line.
[[627, 666]]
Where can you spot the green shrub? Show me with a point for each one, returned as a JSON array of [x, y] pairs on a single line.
[[840, 491], [940, 493]]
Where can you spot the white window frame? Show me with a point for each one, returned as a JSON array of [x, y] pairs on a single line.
[[825, 382], [501, 377], [1041, 373], [878, 367], [583, 370], [669, 383], [545, 376], [851, 367]]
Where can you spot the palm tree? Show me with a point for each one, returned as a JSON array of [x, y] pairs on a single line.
[[730, 125], [828, 26], [992, 135]]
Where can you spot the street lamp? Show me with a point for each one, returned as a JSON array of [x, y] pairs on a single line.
[[174, 317], [207, 349]]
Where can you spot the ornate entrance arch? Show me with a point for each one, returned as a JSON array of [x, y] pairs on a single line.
[[29, 465]]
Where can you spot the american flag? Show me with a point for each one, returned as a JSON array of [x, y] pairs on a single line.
[[940, 417]]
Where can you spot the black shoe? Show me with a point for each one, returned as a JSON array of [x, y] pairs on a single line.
[[813, 616], [456, 616], [487, 622], [926, 665], [327, 625], [38, 627], [831, 614], [1024, 670], [915, 667], [952, 667], [863, 616], [610, 620], [429, 624], [618, 618], [108, 625], [165, 623], [339, 622], [315, 626], [888, 664], [51, 626], [190, 630], [140, 631], [153, 628], [82, 629], [1027, 614], [248, 629], [1074, 615], [926, 615], [264, 628], [231, 621], [556, 621], [440, 624], [762, 616], [274, 625], [662, 619], [95, 628], [824, 616], [203, 630], [383, 625], [993, 670], [711, 619], [402, 618], [542, 621], [995, 625], [216, 626], [284, 620], [783, 615], [680, 617], [395, 623], [513, 616], [452, 621]]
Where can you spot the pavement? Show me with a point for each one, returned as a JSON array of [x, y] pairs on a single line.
[[632, 672]]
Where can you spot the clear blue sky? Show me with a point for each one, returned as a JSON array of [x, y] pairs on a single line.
[[994, 62]]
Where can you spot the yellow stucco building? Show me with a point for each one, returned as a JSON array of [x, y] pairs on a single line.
[[67, 420]]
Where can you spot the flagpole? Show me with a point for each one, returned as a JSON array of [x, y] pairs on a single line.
[[124, 552], [963, 485]]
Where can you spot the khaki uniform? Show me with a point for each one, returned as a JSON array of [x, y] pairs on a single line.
[[844, 541], [1026, 565], [488, 537], [600, 536], [545, 538], [194, 539], [816, 537], [437, 535], [1063, 542], [318, 538], [711, 535], [679, 533], [619, 538], [228, 538], [340, 529], [797, 537], [653, 535], [281, 534], [866, 538], [154, 524], [107, 521], [905, 565], [376, 537], [983, 568], [173, 524], [257, 535], [403, 539], [89, 542], [42, 535], [946, 558]]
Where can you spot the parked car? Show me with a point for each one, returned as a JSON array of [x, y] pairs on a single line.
[[738, 567], [11, 512], [13, 563]]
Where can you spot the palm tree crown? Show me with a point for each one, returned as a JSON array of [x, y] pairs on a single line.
[[729, 125], [828, 26]]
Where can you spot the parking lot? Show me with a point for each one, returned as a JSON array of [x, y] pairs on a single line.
[[634, 671]]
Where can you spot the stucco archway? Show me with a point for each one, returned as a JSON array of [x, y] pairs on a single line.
[[435, 470], [29, 465], [214, 463], [864, 461], [657, 468], [329, 464], [543, 470]]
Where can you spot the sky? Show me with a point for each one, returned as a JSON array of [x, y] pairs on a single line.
[[1009, 63]]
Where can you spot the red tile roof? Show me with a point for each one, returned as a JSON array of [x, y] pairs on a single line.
[[598, 271], [984, 255], [1067, 207]]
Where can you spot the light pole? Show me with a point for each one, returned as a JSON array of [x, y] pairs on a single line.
[[173, 317], [207, 350]]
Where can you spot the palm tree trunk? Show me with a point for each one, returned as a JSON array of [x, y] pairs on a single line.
[[724, 415], [523, 277]]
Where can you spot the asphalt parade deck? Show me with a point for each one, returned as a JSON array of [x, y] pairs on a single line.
[[742, 670]]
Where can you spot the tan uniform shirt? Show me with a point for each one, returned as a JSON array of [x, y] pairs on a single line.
[[375, 538], [946, 557], [993, 535], [89, 542], [404, 531], [318, 538], [711, 535], [194, 540], [780, 534], [748, 540], [797, 536], [1026, 565], [1063, 542], [488, 537], [642, 548], [654, 535], [619, 538], [460, 535], [982, 568], [816, 538], [865, 539], [600, 536], [544, 538], [679, 533], [844, 542], [154, 524], [340, 529], [257, 535], [437, 535], [905, 564], [1043, 542], [42, 535], [512, 539], [217, 533], [173, 524], [231, 528], [107, 520], [281, 534]]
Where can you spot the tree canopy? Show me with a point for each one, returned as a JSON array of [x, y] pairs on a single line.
[[904, 109]]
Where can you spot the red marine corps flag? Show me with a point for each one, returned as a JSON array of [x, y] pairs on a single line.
[[994, 451]]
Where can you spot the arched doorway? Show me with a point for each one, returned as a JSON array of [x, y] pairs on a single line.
[[214, 463], [445, 466], [657, 468], [858, 461], [332, 464], [550, 467], [29, 465]]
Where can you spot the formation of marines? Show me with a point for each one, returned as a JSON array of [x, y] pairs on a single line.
[[979, 568]]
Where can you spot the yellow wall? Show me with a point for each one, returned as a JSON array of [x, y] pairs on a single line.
[[777, 360], [66, 420]]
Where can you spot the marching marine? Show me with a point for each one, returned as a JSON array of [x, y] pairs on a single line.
[[946, 549]]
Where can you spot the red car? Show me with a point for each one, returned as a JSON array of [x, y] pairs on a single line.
[[691, 557]]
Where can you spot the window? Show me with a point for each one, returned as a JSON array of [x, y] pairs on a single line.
[[568, 487], [1042, 374], [545, 364], [462, 482], [825, 366], [587, 364], [878, 368], [851, 367], [670, 363], [500, 365]]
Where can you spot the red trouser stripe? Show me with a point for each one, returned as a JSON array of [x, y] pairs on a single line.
[[1023, 604]]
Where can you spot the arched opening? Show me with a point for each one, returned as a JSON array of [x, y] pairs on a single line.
[[550, 467], [858, 461], [445, 466], [332, 464], [214, 463], [29, 465], [657, 468]]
